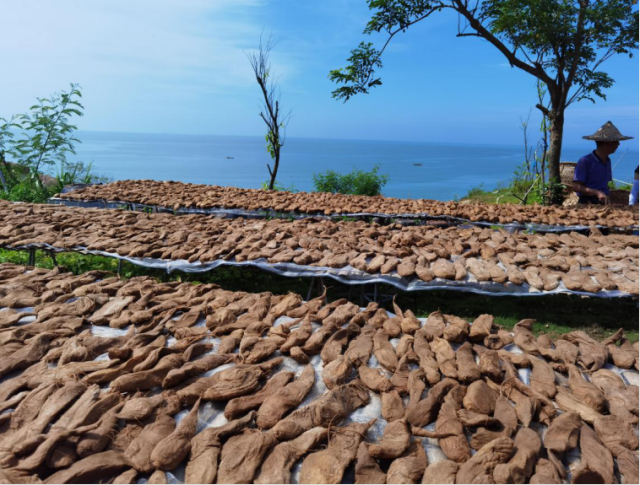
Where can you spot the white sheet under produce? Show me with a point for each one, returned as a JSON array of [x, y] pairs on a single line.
[[347, 275]]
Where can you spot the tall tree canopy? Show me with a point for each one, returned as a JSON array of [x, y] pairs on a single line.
[[563, 43]]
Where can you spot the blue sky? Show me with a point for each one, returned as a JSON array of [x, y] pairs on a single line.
[[166, 66]]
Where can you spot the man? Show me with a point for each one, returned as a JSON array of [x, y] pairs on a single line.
[[633, 196], [593, 172]]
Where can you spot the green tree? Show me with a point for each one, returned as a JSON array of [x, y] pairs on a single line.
[[562, 43], [47, 135], [270, 113]]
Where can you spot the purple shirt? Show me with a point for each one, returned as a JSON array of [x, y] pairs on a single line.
[[593, 172]]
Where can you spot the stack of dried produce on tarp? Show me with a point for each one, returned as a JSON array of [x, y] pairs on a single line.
[[353, 250], [106, 380], [178, 195]]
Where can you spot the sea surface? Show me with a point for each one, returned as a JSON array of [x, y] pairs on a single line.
[[416, 170]]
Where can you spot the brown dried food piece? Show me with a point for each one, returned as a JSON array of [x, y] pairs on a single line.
[[367, 468], [392, 407], [545, 472], [158, 477], [280, 403], [192, 369], [147, 379], [596, 462], [276, 467], [443, 268], [28, 355], [425, 411], [520, 466], [235, 381], [410, 323], [585, 391], [468, 370], [616, 434], [99, 467], [434, 326], [329, 409], [628, 465], [524, 338], [479, 468], [336, 372], [170, 451], [506, 414], [140, 408], [489, 362], [299, 336], [498, 340], [563, 434], [457, 329], [454, 447], [360, 348], [42, 446], [299, 356], [328, 466], [242, 454], [97, 440], [542, 378], [593, 355], [126, 477], [480, 398], [445, 356], [522, 361], [334, 347], [426, 357], [410, 467], [241, 405], [374, 379], [441, 472], [384, 351], [138, 453], [202, 466], [481, 328]]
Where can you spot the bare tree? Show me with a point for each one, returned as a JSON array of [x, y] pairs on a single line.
[[270, 111]]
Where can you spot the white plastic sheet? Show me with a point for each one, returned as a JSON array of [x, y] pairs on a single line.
[[347, 275]]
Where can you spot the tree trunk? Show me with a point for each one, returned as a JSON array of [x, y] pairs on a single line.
[[4, 182], [276, 164], [556, 128]]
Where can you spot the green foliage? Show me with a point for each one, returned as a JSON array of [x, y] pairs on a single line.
[[357, 182], [27, 191], [45, 138], [47, 135], [475, 192], [278, 187], [562, 43], [613, 185]]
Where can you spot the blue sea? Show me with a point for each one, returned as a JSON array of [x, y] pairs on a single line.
[[445, 171]]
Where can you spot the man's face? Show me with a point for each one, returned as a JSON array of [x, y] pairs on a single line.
[[608, 147], [612, 146]]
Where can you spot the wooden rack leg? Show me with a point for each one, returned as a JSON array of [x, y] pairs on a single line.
[[52, 255], [32, 257], [119, 268]]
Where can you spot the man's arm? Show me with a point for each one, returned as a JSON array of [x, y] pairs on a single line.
[[584, 190]]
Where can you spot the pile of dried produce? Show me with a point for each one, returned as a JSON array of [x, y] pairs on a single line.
[[541, 261], [178, 195], [115, 381]]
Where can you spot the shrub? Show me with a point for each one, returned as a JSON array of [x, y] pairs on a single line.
[[357, 182]]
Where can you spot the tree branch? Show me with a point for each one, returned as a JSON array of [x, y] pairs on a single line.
[[536, 71]]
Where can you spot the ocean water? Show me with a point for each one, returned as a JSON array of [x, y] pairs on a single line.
[[447, 170]]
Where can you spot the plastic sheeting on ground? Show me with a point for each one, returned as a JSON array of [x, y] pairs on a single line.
[[407, 219], [347, 275]]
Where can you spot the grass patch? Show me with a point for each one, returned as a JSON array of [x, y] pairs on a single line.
[[499, 195], [555, 315]]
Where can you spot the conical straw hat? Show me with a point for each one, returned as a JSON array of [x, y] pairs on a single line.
[[607, 132]]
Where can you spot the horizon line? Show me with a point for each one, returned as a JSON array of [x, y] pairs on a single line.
[[421, 142]]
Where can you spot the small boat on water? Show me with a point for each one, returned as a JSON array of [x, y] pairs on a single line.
[[417, 165], [229, 158]]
